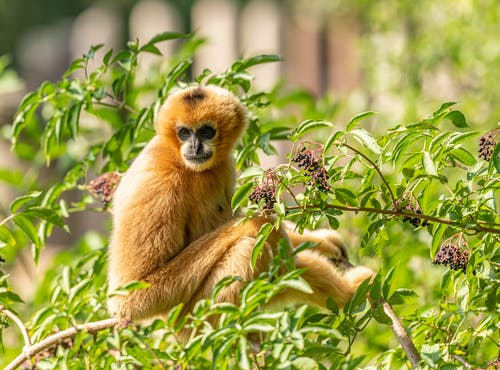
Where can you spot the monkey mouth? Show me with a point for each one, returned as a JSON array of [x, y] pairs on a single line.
[[200, 158]]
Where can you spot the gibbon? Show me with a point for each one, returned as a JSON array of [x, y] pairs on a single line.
[[173, 226]]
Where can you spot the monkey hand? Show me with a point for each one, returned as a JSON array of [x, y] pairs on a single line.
[[118, 307]]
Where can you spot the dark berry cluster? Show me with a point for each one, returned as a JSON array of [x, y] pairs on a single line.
[[487, 144], [104, 186], [452, 255], [313, 167], [410, 206], [264, 191]]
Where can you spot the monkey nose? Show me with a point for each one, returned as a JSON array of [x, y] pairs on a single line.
[[197, 145]]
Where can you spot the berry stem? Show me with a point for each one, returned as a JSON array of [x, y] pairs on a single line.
[[374, 165]]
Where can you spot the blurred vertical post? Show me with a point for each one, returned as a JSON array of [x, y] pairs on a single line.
[[215, 20]]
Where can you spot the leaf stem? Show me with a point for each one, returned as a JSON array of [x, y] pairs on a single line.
[[374, 165]]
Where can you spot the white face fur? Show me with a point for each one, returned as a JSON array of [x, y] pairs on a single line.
[[197, 145]]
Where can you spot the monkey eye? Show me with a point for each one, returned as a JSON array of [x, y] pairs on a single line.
[[207, 132], [183, 133]]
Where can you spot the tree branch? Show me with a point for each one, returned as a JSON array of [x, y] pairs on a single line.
[[11, 315], [52, 340], [476, 228], [403, 337]]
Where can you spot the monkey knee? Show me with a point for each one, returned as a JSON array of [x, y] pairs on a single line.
[[357, 275]]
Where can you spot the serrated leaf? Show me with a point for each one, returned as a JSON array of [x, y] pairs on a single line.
[[241, 195], [428, 164], [457, 118], [367, 140], [355, 121]]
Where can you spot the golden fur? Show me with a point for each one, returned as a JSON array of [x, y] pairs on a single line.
[[173, 226]]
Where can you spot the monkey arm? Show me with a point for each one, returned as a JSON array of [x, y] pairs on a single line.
[[181, 277]]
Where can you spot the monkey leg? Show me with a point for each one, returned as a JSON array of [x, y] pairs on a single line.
[[329, 243], [325, 280], [235, 262]]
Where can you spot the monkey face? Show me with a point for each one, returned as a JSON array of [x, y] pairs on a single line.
[[200, 126], [197, 145]]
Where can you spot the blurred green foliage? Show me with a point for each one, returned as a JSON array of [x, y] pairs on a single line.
[[374, 181]]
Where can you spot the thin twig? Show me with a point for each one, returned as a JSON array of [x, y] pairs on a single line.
[[24, 331], [476, 228], [374, 165], [32, 350], [402, 337], [463, 362]]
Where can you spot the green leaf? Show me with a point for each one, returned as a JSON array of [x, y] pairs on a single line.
[[26, 225], [430, 354], [386, 284], [264, 233], [305, 363], [428, 164], [244, 64], [366, 139], [307, 126], [332, 305], [48, 215], [167, 36], [399, 294], [495, 157], [303, 246], [331, 140], [7, 296], [457, 118], [133, 285], [6, 238], [243, 362], [22, 200], [355, 121], [462, 155], [241, 195], [298, 284]]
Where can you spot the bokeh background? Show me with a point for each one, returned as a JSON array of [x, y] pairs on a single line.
[[402, 59]]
